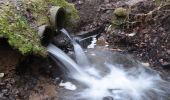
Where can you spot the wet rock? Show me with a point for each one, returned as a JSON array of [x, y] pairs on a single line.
[[108, 98], [166, 65]]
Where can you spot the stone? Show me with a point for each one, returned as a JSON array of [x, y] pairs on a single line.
[[168, 51], [131, 34], [166, 65], [108, 98], [121, 12], [2, 75]]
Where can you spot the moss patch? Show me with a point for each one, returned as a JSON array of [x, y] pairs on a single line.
[[121, 12], [19, 33], [19, 22], [38, 11], [119, 18]]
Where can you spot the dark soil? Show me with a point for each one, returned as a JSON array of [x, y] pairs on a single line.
[[24, 80], [31, 77], [151, 42]]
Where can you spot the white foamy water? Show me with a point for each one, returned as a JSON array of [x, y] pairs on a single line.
[[93, 43], [59, 54], [79, 53], [121, 85], [110, 74], [68, 85]]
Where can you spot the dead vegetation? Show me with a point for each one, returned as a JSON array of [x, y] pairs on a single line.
[[145, 33]]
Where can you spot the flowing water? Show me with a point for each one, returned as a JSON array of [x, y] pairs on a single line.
[[107, 75], [81, 58]]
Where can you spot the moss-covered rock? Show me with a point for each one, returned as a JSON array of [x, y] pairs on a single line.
[[19, 22], [119, 17], [19, 33], [121, 12]]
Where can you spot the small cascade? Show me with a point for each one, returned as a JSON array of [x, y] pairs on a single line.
[[110, 76], [80, 56], [63, 57]]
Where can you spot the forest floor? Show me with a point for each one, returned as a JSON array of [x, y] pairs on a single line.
[[145, 36]]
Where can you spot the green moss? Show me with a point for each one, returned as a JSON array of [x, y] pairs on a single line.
[[40, 9], [19, 33], [117, 23], [119, 18], [37, 10], [121, 12], [20, 26]]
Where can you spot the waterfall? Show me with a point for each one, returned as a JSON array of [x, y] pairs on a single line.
[[80, 56], [63, 57], [124, 78]]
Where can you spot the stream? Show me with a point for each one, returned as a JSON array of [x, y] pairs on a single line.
[[100, 74]]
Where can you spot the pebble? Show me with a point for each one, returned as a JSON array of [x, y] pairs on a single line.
[[2, 75], [131, 34]]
